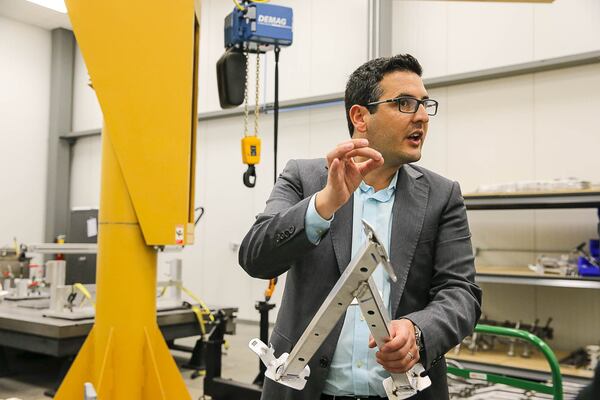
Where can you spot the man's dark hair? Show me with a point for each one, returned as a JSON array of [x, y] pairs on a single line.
[[363, 85]]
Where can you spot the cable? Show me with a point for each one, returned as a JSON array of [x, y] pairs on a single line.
[[199, 216], [238, 5], [271, 289], [241, 7], [276, 114], [206, 310]]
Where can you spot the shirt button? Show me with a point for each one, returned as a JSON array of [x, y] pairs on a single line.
[[324, 362], [359, 364]]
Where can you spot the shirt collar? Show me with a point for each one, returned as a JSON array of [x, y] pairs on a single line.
[[384, 195]]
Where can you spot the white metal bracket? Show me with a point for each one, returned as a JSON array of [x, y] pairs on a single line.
[[356, 282]]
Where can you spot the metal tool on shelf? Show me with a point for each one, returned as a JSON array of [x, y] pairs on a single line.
[[584, 357], [479, 341]]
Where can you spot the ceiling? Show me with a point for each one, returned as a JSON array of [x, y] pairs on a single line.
[[33, 14]]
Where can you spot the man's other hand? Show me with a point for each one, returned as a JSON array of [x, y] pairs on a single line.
[[345, 174], [400, 352]]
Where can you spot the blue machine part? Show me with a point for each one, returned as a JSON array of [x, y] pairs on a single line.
[[259, 26], [586, 268]]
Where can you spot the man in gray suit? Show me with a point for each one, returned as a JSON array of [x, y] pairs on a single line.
[[311, 228]]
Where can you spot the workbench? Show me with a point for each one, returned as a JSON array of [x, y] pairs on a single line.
[[27, 329]]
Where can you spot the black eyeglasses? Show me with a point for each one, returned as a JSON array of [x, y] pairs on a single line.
[[410, 105]]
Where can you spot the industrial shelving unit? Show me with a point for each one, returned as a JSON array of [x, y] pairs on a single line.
[[497, 361]]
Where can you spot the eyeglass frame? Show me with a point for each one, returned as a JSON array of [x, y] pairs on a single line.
[[397, 100]]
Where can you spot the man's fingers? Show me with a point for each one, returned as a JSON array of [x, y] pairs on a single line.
[[400, 361], [344, 147], [400, 369], [372, 343], [335, 171], [396, 366], [366, 152], [400, 354], [396, 343], [368, 166]]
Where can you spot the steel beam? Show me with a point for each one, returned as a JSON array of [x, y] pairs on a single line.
[[59, 152], [379, 33]]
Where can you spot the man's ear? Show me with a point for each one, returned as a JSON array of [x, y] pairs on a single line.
[[358, 116]]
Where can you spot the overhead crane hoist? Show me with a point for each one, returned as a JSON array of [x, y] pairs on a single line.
[[253, 27]]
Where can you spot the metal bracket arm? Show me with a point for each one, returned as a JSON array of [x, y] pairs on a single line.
[[356, 282]]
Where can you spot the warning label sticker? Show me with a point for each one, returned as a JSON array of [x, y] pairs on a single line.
[[477, 375], [179, 234]]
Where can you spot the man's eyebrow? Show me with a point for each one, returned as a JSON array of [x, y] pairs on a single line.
[[403, 94]]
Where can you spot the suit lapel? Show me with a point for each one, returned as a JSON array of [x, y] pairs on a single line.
[[341, 234], [408, 212], [341, 230]]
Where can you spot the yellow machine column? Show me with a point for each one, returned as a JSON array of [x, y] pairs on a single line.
[[142, 60]]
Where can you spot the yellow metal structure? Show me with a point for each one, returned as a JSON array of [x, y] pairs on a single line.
[[142, 60], [140, 57]]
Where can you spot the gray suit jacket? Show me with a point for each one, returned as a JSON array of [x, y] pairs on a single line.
[[430, 250]]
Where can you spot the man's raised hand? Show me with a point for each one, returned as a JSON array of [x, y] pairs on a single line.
[[345, 174]]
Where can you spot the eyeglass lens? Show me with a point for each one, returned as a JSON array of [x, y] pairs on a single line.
[[410, 105]]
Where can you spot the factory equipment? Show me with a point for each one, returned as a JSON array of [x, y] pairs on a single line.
[[14, 264], [252, 27]]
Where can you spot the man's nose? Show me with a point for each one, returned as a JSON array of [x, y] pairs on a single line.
[[421, 114]]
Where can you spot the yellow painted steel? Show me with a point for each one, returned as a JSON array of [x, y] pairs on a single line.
[[142, 60]]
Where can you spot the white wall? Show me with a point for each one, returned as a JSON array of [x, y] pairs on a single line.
[[453, 37], [495, 131], [25, 53]]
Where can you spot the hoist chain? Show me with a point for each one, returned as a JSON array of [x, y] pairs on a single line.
[[257, 95], [256, 108], [247, 55]]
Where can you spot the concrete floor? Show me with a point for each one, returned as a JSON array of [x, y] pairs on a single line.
[[33, 374]]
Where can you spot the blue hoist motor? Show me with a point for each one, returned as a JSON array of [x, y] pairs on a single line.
[[259, 26]]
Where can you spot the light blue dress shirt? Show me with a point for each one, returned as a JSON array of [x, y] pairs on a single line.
[[354, 370]]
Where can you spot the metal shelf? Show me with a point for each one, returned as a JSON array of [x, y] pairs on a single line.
[[535, 280], [521, 275], [521, 201]]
